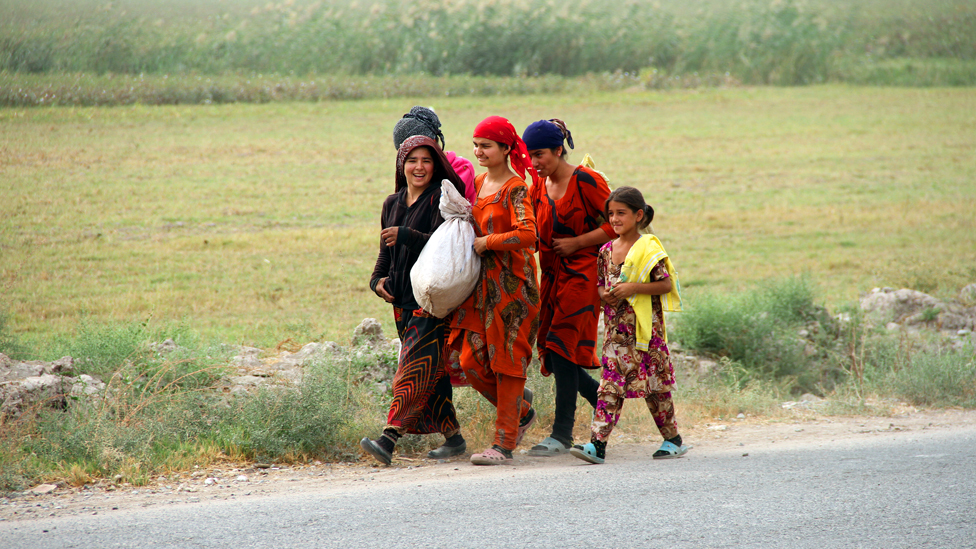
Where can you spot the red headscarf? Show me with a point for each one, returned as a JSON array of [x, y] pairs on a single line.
[[500, 130]]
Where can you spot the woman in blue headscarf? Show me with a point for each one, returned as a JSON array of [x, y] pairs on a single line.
[[569, 208]]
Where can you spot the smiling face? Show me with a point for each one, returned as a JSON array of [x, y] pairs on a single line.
[[489, 153], [418, 168], [623, 218], [545, 161]]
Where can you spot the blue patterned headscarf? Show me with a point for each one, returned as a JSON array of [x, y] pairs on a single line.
[[547, 134]]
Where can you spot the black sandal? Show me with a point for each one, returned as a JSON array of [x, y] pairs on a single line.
[[376, 451], [445, 451]]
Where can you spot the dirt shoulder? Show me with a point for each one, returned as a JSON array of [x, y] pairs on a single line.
[[238, 481]]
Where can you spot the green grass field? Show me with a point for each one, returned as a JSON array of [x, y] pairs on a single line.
[[256, 223], [213, 171]]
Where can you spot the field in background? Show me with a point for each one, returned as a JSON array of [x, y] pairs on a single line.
[[782, 42], [257, 223]]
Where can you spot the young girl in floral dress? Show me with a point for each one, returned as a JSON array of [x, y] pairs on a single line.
[[637, 283]]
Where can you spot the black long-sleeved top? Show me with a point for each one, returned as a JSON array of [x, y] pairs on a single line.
[[416, 223]]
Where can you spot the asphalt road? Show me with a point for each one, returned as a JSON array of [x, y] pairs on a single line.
[[898, 490]]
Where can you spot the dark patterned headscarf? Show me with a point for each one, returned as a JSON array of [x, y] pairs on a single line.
[[419, 121], [442, 168], [500, 130]]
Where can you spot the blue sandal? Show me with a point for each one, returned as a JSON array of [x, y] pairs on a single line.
[[669, 450], [548, 447], [586, 452]]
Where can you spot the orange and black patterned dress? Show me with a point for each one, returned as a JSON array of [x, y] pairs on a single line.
[[570, 302]]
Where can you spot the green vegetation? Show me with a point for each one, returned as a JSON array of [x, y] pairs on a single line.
[[923, 377], [782, 42], [776, 336], [142, 427], [757, 329], [10, 344], [257, 223], [27, 90], [209, 220]]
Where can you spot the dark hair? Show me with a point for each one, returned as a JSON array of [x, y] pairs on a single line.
[[633, 199], [567, 135]]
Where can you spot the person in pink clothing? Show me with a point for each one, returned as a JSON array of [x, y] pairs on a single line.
[[424, 121]]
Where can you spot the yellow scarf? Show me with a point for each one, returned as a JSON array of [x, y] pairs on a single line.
[[589, 163], [642, 257]]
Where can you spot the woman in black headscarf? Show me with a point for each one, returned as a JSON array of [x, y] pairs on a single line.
[[424, 121], [422, 396]]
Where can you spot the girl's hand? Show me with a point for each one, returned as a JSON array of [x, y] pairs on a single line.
[[565, 246], [607, 295], [623, 290], [481, 245], [620, 291], [389, 236], [381, 290]]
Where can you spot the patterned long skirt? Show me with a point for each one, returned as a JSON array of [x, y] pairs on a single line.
[[422, 395]]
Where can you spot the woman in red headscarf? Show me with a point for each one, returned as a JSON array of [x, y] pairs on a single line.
[[495, 329]]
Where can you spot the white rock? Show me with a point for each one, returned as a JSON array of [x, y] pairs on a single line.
[[241, 478], [968, 295], [42, 489], [167, 346], [85, 385]]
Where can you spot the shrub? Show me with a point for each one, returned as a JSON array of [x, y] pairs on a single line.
[[918, 372], [129, 430], [756, 329], [324, 416]]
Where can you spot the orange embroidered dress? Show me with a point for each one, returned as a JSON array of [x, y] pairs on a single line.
[[502, 313]]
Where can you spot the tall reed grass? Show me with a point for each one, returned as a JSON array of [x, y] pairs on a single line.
[[784, 42]]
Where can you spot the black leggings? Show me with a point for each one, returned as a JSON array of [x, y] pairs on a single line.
[[570, 380]]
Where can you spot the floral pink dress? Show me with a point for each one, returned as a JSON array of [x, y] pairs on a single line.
[[627, 371]]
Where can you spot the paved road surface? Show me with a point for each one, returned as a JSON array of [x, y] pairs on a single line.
[[897, 490]]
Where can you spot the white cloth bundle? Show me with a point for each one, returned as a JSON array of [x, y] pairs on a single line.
[[448, 268]]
